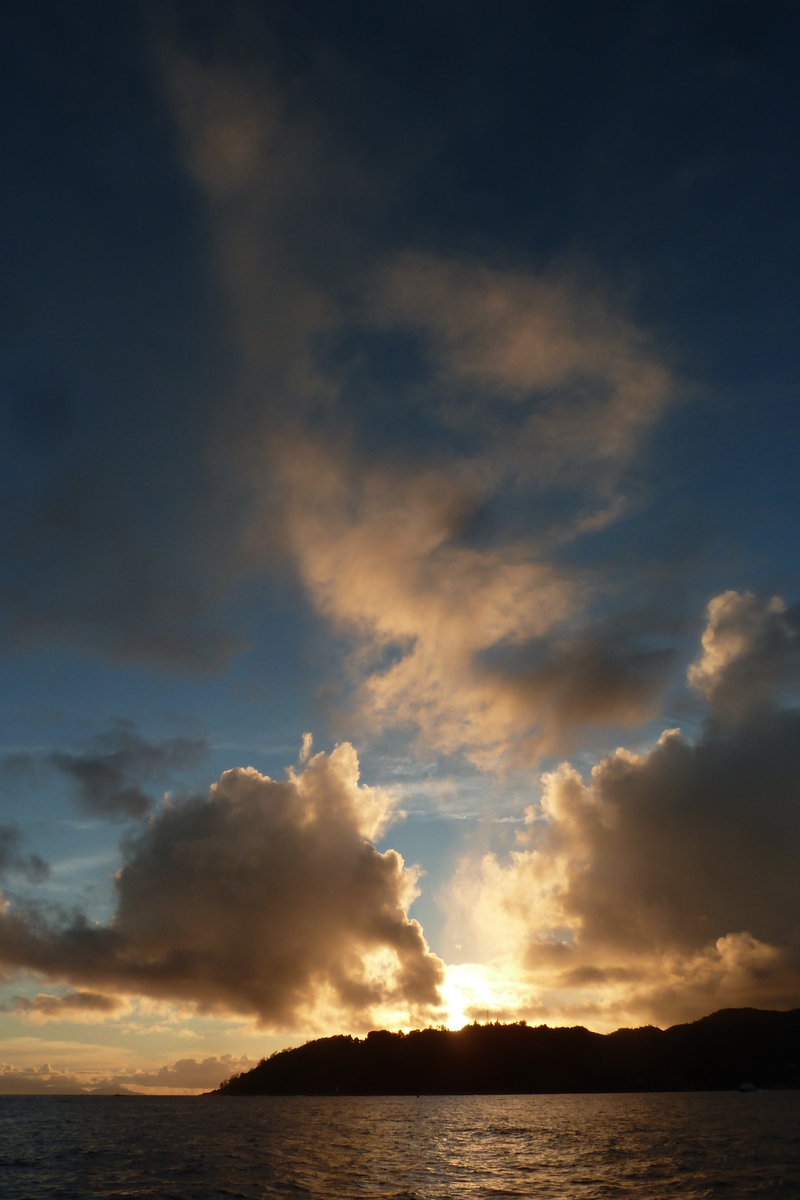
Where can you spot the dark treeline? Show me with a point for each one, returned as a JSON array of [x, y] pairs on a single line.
[[723, 1051]]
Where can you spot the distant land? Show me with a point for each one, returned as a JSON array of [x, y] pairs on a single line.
[[733, 1048]]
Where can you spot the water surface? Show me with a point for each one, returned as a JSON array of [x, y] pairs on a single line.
[[559, 1147]]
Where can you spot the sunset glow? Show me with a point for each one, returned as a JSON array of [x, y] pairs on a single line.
[[399, 606]]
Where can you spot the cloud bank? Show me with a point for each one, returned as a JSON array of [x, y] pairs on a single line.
[[186, 1075]]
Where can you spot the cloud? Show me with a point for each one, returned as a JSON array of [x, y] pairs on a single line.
[[377, 552], [526, 383], [31, 866], [579, 383], [81, 562], [569, 685], [108, 781], [186, 1075], [484, 650], [39, 1081], [666, 885], [74, 1006], [264, 898], [284, 235], [750, 648], [530, 381]]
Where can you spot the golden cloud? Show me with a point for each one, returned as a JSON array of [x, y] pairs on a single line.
[[666, 885], [264, 898]]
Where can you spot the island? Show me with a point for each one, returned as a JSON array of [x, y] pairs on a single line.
[[739, 1048]]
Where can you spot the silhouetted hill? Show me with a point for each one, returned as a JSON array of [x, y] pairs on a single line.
[[730, 1047]]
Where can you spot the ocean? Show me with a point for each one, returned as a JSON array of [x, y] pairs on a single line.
[[648, 1146]]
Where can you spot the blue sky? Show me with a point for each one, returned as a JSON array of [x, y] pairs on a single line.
[[422, 378]]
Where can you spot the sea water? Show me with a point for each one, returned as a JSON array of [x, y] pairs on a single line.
[[564, 1147]]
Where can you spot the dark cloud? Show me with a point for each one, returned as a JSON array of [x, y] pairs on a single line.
[[666, 884], [30, 866], [112, 513], [39, 1081], [688, 843], [109, 779], [566, 686], [265, 898], [48, 1007], [111, 584]]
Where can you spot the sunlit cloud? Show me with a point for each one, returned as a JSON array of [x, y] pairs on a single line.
[[579, 382], [665, 886], [550, 385], [262, 898], [751, 647], [431, 440]]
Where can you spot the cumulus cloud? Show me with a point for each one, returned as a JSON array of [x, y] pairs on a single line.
[[185, 1074], [667, 884], [264, 898], [751, 647], [108, 780]]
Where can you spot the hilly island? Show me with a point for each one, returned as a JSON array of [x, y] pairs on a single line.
[[734, 1048]]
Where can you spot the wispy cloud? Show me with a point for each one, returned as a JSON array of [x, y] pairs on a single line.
[[13, 861], [109, 779], [533, 382]]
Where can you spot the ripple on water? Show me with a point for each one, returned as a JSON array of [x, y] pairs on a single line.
[[403, 1148]]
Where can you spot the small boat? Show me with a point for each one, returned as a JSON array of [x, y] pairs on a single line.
[[747, 1087]]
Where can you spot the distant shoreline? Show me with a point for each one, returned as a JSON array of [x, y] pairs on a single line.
[[733, 1049]]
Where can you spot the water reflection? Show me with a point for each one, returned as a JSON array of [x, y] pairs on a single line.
[[564, 1147]]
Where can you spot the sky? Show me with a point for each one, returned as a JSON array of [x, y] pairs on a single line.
[[399, 574]]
